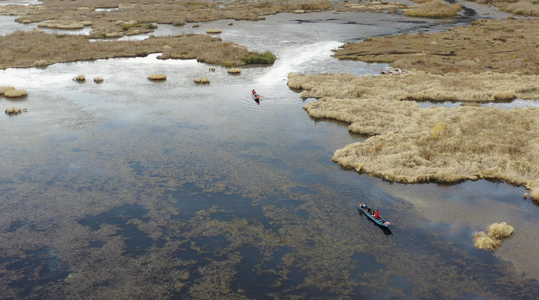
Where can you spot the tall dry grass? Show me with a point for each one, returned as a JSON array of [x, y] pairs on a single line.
[[434, 9], [408, 144], [498, 45]]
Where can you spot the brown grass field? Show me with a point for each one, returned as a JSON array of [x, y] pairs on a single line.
[[411, 144], [54, 48], [498, 45]]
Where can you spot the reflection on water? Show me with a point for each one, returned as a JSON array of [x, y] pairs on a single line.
[[174, 190]]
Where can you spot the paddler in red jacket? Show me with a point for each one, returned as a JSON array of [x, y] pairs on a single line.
[[376, 215]]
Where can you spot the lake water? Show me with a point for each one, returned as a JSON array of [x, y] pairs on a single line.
[[139, 189]]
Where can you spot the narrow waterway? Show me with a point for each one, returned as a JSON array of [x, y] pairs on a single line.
[[135, 189]]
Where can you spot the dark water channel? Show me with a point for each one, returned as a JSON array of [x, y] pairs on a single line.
[[139, 189]]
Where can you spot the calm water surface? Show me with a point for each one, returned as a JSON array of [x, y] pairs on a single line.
[[140, 189]]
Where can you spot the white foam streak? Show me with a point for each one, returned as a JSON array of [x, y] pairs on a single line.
[[292, 59]]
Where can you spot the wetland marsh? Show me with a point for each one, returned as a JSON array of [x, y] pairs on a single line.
[[133, 188]]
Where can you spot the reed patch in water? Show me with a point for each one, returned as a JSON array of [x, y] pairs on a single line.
[[234, 71], [80, 78], [98, 79], [214, 31], [13, 110], [497, 232], [14, 93], [202, 80], [4, 89], [485, 242], [500, 230], [158, 77]]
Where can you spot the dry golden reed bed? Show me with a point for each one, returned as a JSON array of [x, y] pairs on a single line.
[[53, 48], [410, 144], [497, 45], [497, 232]]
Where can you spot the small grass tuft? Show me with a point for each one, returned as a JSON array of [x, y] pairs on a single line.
[[15, 93], [4, 89], [202, 80], [500, 230], [485, 242], [214, 31], [80, 78], [234, 71], [157, 77], [98, 79]]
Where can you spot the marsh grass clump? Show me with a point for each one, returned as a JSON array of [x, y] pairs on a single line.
[[214, 31], [14, 110], [434, 9], [15, 93], [80, 78], [484, 242], [4, 89], [500, 230], [258, 58], [202, 80], [41, 63], [234, 71], [157, 77], [98, 79], [497, 232]]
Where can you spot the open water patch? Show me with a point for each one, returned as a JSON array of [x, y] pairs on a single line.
[[136, 241]]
